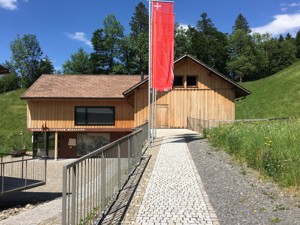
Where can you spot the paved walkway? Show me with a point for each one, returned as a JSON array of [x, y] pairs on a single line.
[[170, 192], [174, 194]]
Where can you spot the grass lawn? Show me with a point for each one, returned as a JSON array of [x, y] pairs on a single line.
[[274, 96], [270, 147], [13, 122]]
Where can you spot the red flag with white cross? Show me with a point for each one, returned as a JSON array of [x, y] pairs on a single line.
[[162, 45]]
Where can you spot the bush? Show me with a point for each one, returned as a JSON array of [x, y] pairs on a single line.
[[8, 82]]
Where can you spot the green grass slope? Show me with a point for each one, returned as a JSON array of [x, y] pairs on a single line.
[[272, 97], [13, 122]]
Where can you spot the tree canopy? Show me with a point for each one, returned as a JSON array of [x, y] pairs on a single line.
[[78, 64], [26, 57], [241, 55]]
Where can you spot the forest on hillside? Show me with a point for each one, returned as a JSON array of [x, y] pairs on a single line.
[[241, 55]]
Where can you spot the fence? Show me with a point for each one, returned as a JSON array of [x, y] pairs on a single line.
[[199, 125], [18, 174], [91, 183]]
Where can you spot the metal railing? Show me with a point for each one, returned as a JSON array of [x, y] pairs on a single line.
[[18, 174], [91, 183], [199, 125]]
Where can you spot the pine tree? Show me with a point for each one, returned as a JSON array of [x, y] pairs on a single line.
[[241, 23], [208, 44], [139, 25]]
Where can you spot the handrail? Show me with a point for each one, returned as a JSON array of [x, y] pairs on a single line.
[[22, 174], [91, 183]]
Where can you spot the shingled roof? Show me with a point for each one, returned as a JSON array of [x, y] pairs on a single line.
[[80, 86], [3, 70]]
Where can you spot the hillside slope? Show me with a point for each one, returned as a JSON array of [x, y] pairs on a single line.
[[272, 97], [13, 121]]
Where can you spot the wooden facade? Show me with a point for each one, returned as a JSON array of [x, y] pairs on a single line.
[[59, 115], [198, 92], [210, 96]]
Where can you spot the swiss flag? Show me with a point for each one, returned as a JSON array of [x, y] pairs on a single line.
[[162, 45]]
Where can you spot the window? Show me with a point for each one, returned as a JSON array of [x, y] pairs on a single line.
[[178, 81], [191, 81], [94, 115]]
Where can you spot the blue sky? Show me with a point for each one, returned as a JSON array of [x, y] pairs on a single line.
[[63, 26]]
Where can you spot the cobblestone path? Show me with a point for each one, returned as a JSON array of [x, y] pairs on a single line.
[[175, 194]]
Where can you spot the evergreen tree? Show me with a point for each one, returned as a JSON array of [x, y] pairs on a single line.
[[46, 66], [99, 55], [281, 38], [138, 37], [242, 55], [288, 37], [78, 64], [208, 44], [107, 44], [114, 32], [182, 41], [129, 56], [241, 23]]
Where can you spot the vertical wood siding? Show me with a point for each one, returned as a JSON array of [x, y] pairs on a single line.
[[60, 113], [212, 98]]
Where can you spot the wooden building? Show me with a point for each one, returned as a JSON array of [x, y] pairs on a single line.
[[3, 70], [198, 92], [80, 112]]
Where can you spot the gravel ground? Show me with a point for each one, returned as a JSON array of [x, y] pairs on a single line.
[[236, 193]]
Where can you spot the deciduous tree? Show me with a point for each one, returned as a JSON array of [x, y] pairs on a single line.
[[26, 56]]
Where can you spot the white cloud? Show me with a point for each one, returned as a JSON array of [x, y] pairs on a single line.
[[285, 6], [80, 36], [8, 4], [294, 4], [281, 24]]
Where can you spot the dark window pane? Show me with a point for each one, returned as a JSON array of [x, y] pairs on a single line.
[[95, 116], [191, 81], [178, 81], [80, 117], [100, 116]]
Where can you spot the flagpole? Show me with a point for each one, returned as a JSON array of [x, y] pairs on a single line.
[[149, 75]]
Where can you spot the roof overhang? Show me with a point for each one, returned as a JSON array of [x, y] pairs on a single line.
[[130, 90], [239, 90]]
